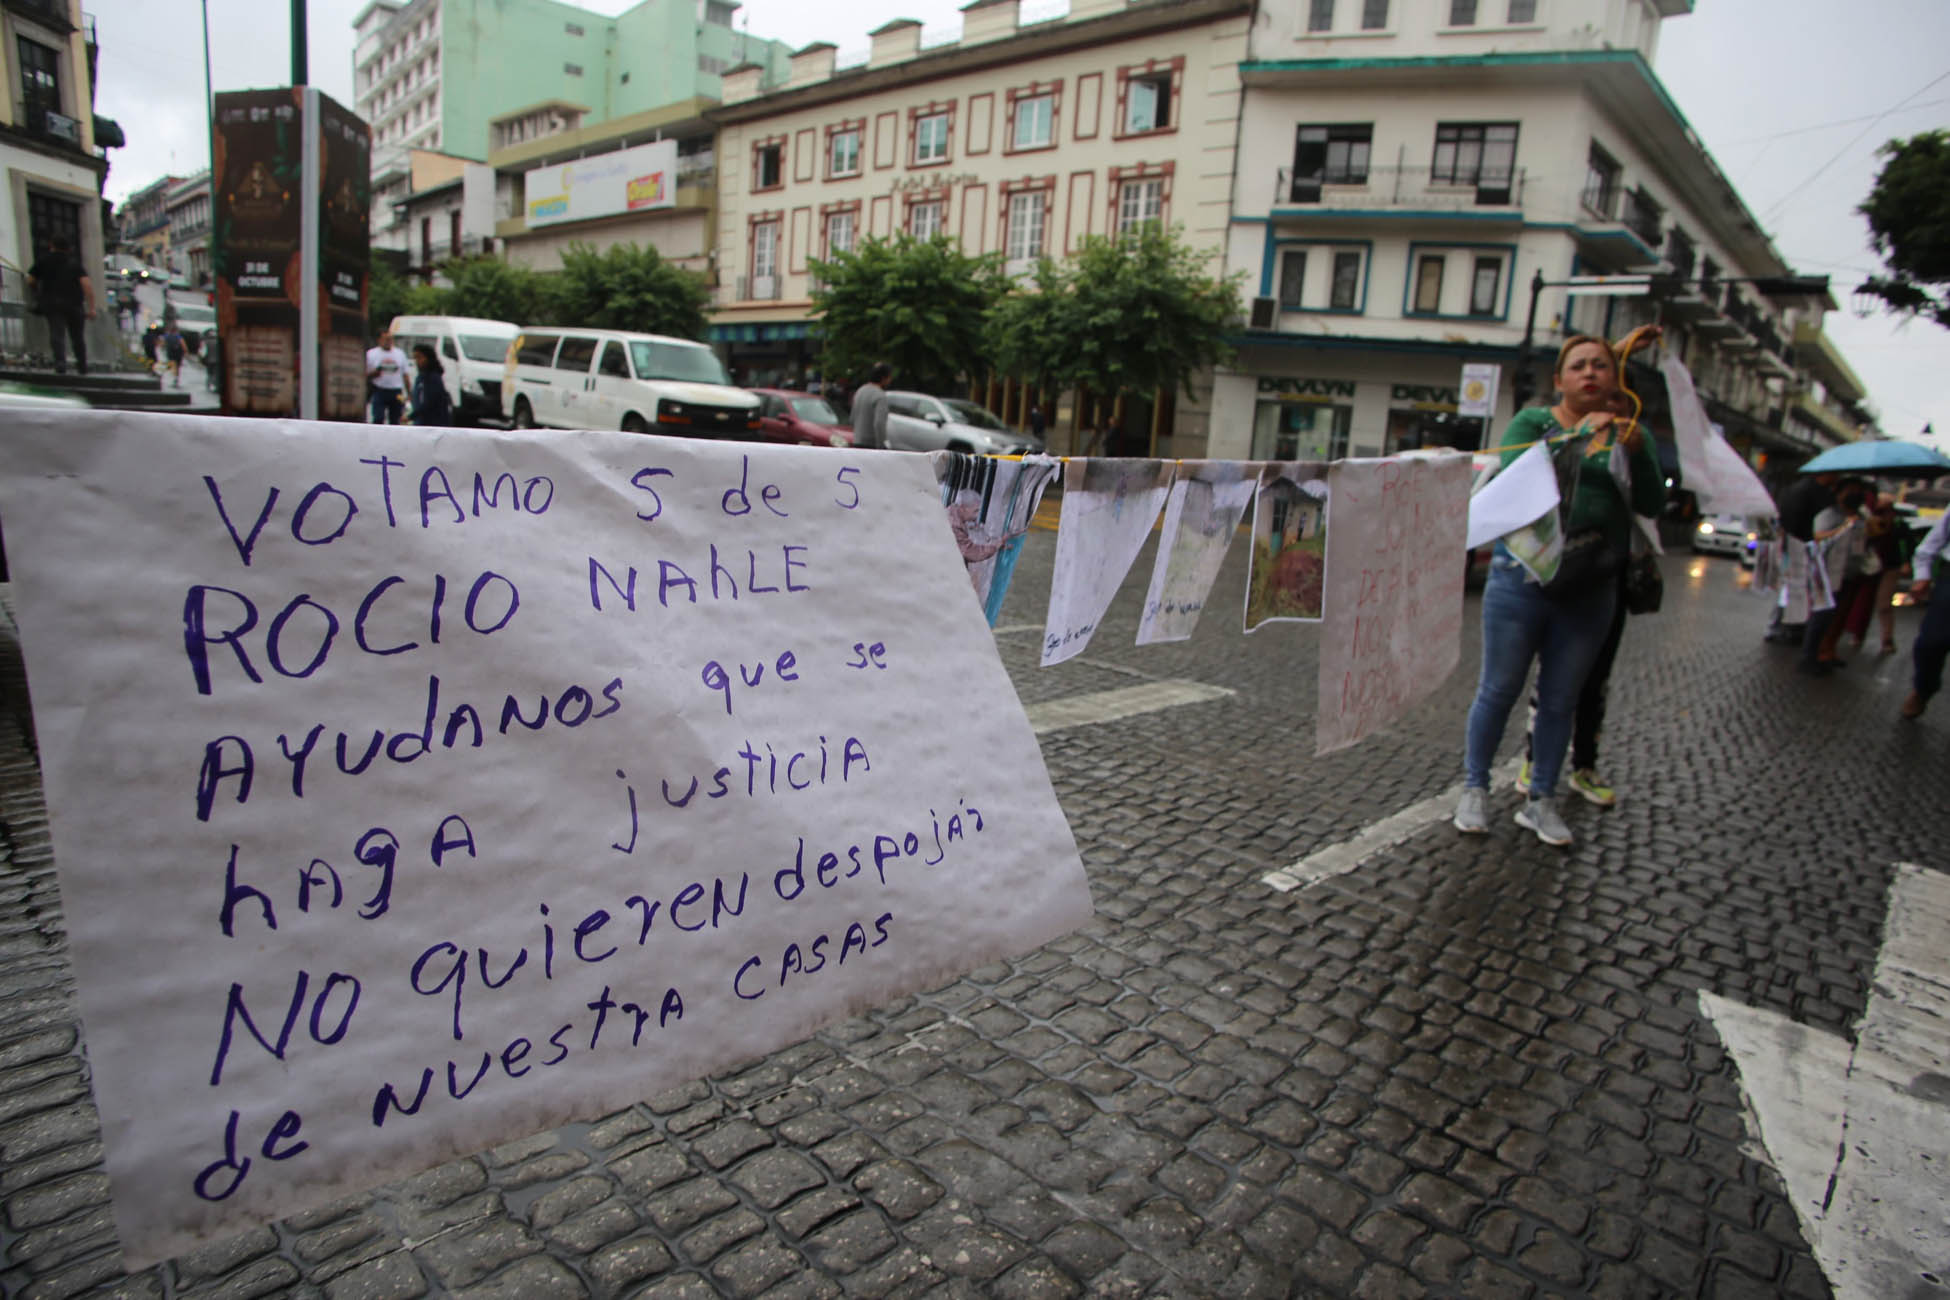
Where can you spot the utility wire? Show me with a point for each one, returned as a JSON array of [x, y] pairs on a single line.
[[1840, 121], [1843, 151]]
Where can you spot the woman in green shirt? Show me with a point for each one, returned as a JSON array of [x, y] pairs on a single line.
[[1562, 631]]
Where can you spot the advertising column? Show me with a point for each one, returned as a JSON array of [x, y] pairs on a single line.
[[344, 204], [256, 249]]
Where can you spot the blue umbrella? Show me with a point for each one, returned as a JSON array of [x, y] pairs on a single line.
[[1879, 456]]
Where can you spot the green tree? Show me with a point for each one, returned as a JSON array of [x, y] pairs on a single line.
[[1909, 226], [492, 289], [625, 287], [1135, 314], [918, 304], [389, 294]]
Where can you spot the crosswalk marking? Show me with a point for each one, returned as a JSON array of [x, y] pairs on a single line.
[[1339, 859], [1123, 702]]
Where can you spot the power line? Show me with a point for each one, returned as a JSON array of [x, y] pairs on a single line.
[[1840, 121], [1843, 151]]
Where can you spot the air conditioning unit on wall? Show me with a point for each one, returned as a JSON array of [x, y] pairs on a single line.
[[1265, 314]]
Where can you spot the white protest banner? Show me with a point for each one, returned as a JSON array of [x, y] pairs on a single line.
[[1289, 558], [1477, 394], [1521, 493], [1394, 590], [1207, 501], [416, 789], [1690, 429], [1109, 507]]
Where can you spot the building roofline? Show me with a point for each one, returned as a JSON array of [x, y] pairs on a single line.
[[958, 59], [603, 137], [894, 25]]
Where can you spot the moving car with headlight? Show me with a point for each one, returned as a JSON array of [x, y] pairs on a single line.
[[472, 353], [1724, 535], [563, 378]]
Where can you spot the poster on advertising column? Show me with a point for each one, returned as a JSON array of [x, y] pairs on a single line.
[[411, 792], [1394, 590], [257, 246], [344, 255]]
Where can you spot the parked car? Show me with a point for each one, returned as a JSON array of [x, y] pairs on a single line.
[[919, 422], [612, 379], [472, 353], [806, 418], [1723, 535]]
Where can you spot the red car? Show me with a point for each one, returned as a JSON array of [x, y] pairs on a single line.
[[794, 417]]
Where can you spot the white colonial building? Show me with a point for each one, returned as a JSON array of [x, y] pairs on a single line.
[[1017, 138], [1408, 168]]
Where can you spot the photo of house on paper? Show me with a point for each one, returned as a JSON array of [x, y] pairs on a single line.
[[1202, 513], [1289, 545]]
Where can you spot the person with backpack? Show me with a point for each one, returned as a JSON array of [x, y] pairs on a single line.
[[174, 349]]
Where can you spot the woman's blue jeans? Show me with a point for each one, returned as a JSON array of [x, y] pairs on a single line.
[[1520, 624]]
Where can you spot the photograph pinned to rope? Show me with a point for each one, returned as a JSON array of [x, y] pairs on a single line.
[[990, 503], [1289, 558]]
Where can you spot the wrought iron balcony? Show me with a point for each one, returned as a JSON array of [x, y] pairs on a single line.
[[1642, 221], [1403, 189]]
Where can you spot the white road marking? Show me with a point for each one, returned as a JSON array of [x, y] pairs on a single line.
[[1014, 629], [1339, 859], [1856, 1132], [1124, 702]]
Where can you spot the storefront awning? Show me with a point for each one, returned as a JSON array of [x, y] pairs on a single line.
[[762, 332]]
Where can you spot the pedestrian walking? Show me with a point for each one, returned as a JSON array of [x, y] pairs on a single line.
[[1037, 421], [1885, 567], [173, 350], [1933, 638], [386, 373], [431, 405], [870, 407], [66, 296], [1563, 626], [1837, 537]]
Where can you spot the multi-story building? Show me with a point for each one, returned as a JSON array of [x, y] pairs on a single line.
[[433, 74], [448, 219], [1018, 138], [1408, 169], [48, 144], [144, 218], [188, 205], [407, 175], [649, 178]]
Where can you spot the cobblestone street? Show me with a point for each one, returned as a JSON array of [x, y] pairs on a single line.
[[1466, 1067]]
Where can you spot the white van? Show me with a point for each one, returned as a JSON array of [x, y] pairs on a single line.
[[472, 352], [565, 378]]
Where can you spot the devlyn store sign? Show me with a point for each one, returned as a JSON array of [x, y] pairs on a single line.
[[1421, 397]]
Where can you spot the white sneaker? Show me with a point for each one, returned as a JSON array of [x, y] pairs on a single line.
[[1473, 811], [1541, 816]]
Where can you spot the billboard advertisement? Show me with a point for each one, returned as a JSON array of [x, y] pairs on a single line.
[[257, 247], [639, 179], [344, 254]]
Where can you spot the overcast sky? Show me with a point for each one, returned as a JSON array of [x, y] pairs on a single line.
[[1791, 96]]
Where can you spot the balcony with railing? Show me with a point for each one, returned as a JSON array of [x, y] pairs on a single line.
[[1642, 219], [44, 124], [1410, 192], [49, 13]]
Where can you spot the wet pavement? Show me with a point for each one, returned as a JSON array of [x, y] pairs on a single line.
[[1465, 1067]]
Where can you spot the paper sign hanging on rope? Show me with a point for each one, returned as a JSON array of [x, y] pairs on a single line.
[[414, 790], [990, 504], [1207, 501], [1284, 583], [1521, 493], [1689, 429], [1737, 490], [1394, 590], [1109, 507]]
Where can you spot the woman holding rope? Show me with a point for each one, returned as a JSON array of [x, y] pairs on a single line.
[[1563, 624]]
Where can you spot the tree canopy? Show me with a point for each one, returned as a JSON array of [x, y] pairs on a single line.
[[919, 304], [1132, 313], [623, 287], [1908, 211]]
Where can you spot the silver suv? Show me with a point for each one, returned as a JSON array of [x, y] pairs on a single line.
[[918, 422]]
